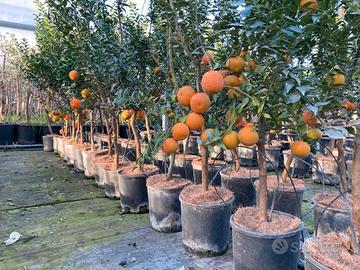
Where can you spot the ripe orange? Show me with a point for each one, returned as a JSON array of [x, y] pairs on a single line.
[[230, 140], [85, 93], [338, 79], [170, 146], [309, 118], [195, 121], [140, 115], [232, 81], [75, 104], [236, 64], [126, 114], [206, 58], [200, 103], [350, 106], [212, 82], [300, 149], [67, 117], [207, 134], [180, 131], [74, 75], [314, 134], [184, 94], [248, 135], [313, 5]]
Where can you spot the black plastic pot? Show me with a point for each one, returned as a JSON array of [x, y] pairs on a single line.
[[248, 156], [287, 200], [111, 184], [26, 134], [242, 188], [329, 219], [214, 169], [69, 153], [183, 166], [164, 208], [298, 167], [327, 172], [133, 191], [205, 228], [99, 174], [56, 144], [78, 160], [260, 251], [48, 143], [7, 134], [310, 262]]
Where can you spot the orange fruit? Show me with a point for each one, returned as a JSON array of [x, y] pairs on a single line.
[[170, 146], [140, 115], [309, 118], [206, 134], [74, 75], [85, 93], [230, 140], [206, 58], [200, 103], [236, 64], [338, 79], [212, 82], [180, 131], [67, 117], [232, 81], [314, 134], [75, 104], [248, 135], [184, 94], [313, 5], [242, 79], [195, 121], [300, 149], [126, 114], [350, 106]]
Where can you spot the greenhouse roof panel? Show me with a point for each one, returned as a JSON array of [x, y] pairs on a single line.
[[17, 12]]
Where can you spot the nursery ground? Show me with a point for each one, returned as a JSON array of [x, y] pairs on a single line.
[[67, 223]]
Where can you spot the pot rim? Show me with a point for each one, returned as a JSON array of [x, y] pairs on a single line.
[[266, 235], [217, 205], [310, 258], [282, 190], [222, 173], [343, 211]]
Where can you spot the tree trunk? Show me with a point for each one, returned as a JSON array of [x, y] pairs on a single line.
[[355, 186], [91, 131], [147, 128], [18, 99], [27, 100], [136, 139], [171, 166], [286, 172], [204, 168], [262, 176], [342, 165], [237, 159], [116, 140]]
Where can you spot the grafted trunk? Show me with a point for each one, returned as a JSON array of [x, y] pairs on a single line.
[[355, 187], [204, 168], [285, 173], [171, 166], [237, 159], [262, 176]]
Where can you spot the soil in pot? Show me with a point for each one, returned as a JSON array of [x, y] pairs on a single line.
[[330, 252], [132, 187], [164, 203], [330, 213], [205, 218], [327, 172], [183, 166], [289, 195], [260, 245], [7, 134], [241, 183], [214, 168]]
